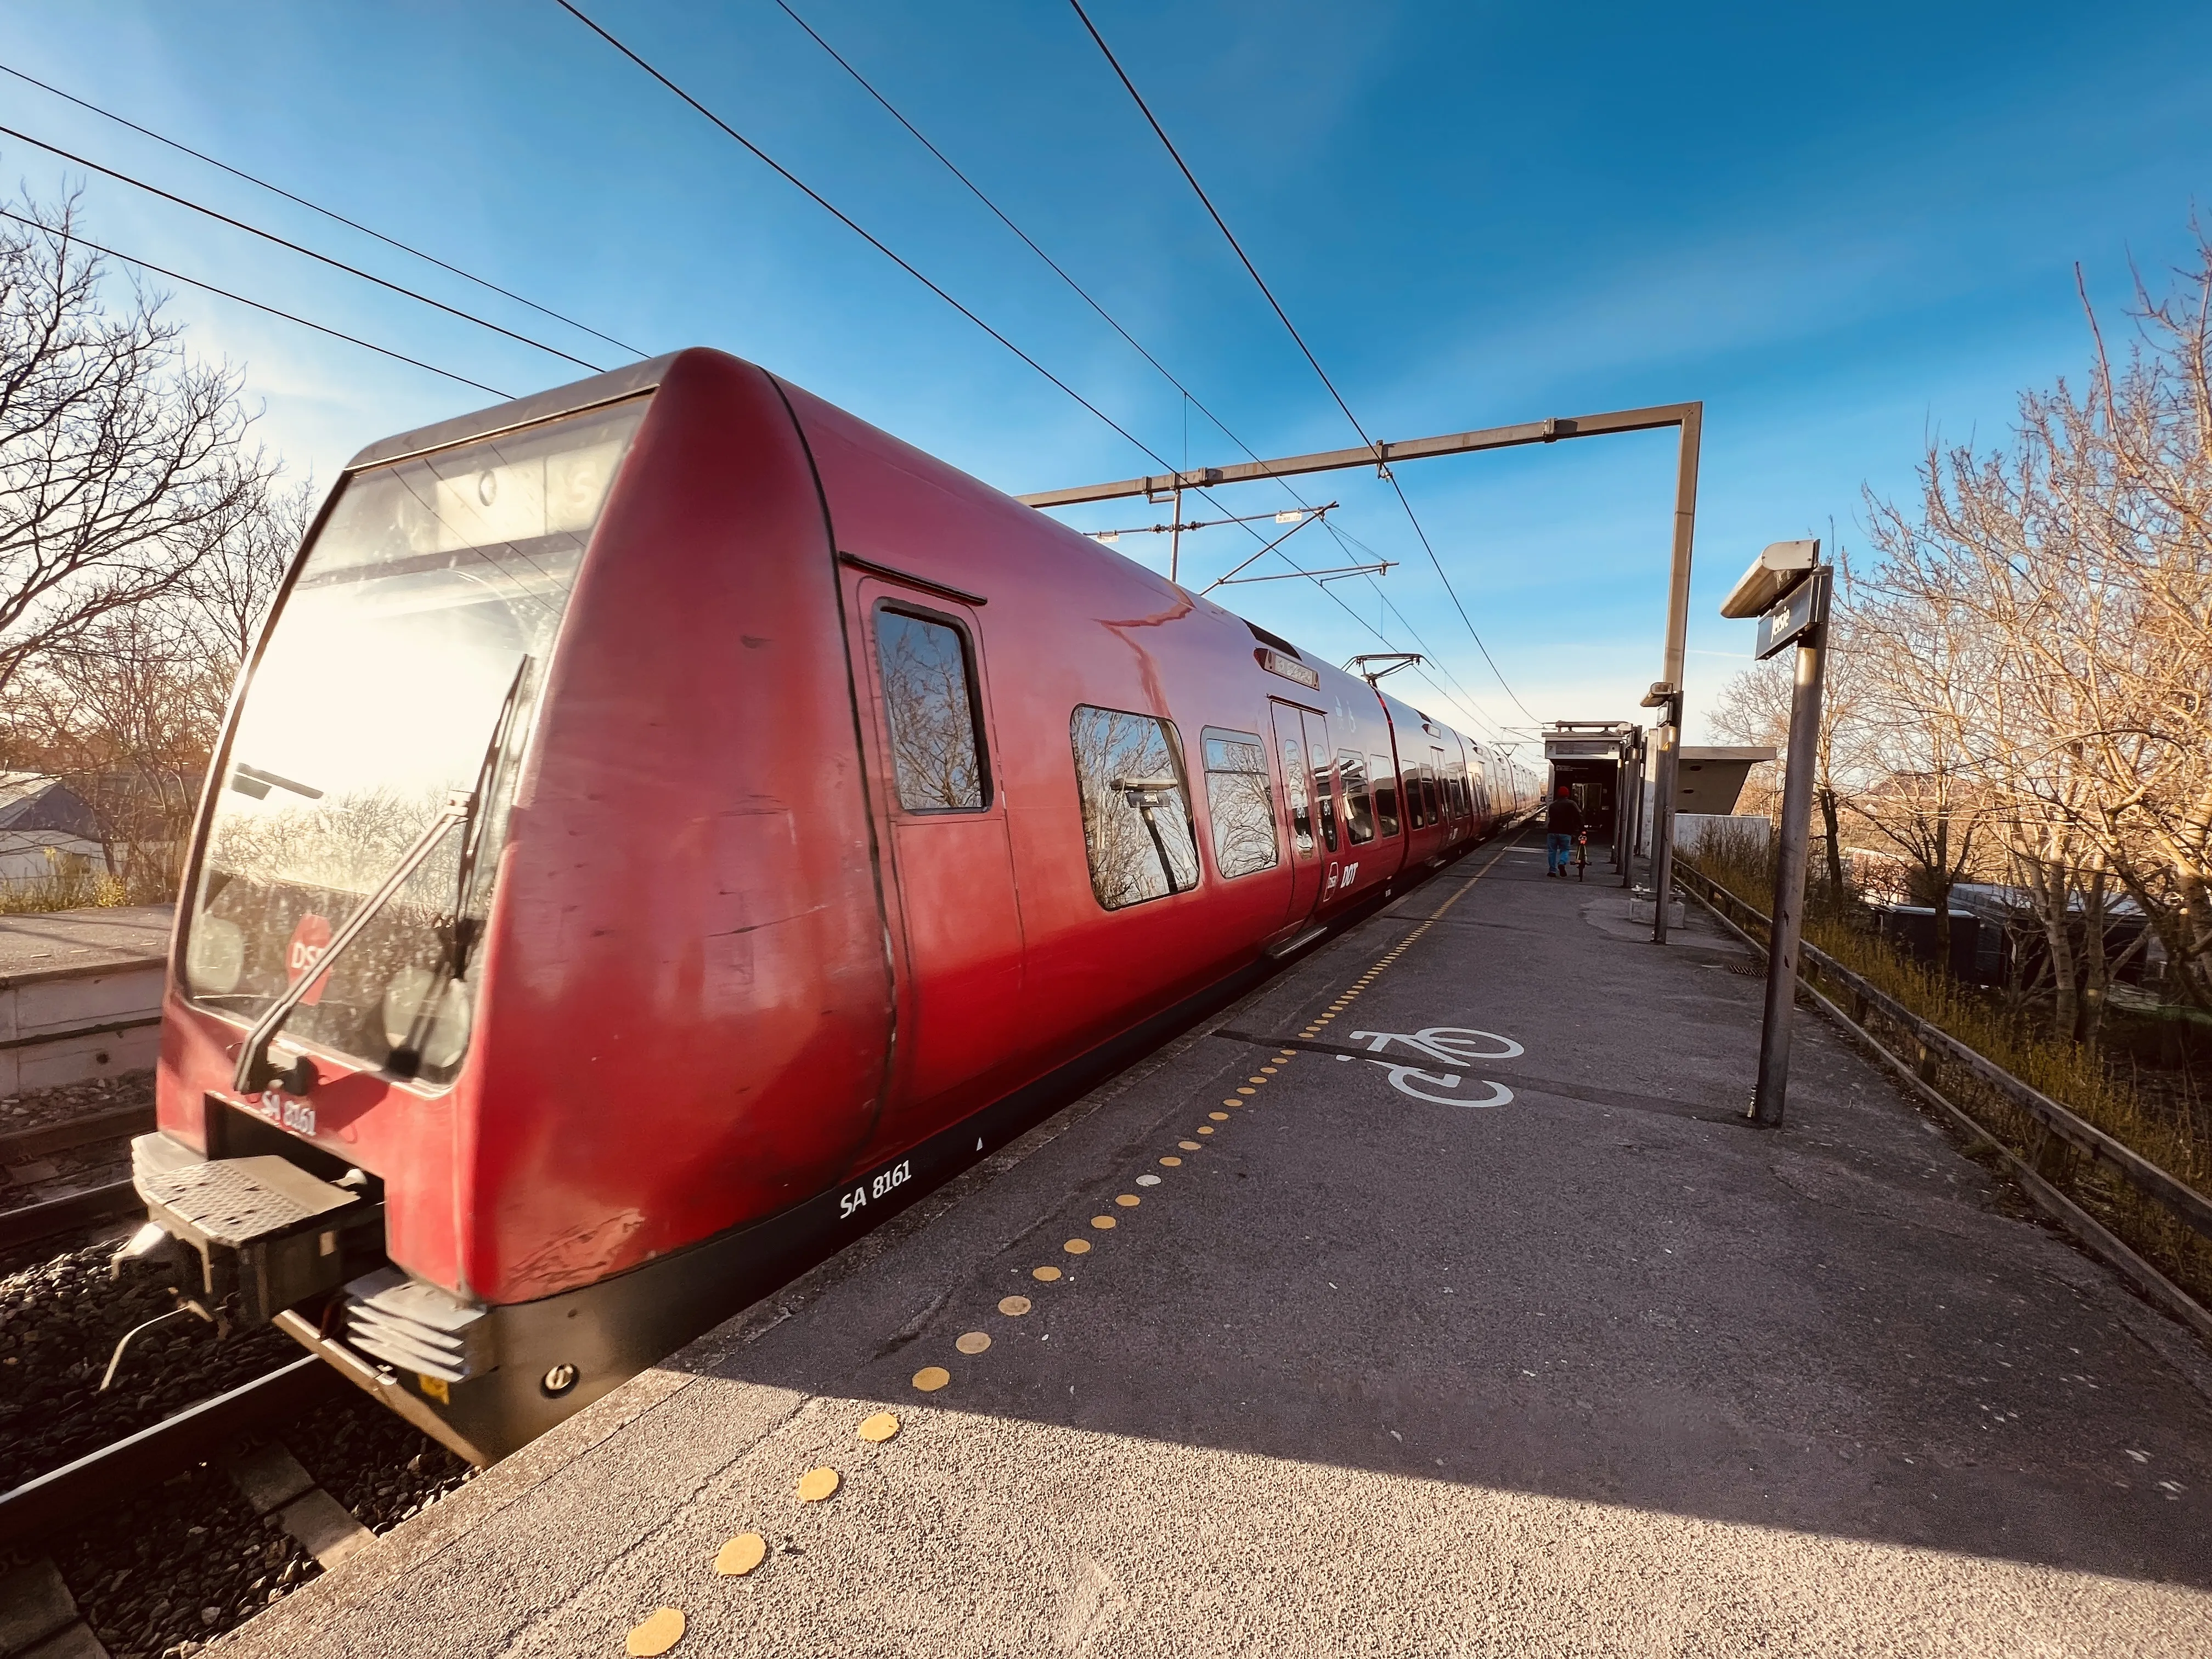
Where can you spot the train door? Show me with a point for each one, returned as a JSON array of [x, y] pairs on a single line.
[[960, 929], [1320, 755], [1296, 758]]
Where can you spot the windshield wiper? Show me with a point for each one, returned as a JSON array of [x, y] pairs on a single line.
[[254, 1073], [473, 832], [461, 933]]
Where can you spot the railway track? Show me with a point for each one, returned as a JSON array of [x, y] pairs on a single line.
[[131, 1465], [87, 1207], [169, 1537], [84, 1206]]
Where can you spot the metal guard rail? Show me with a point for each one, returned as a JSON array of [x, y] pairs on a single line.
[[2186, 1203]]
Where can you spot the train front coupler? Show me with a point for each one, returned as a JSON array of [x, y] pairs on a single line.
[[251, 1236]]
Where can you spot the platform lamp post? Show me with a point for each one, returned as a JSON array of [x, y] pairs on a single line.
[[1787, 589], [1667, 737]]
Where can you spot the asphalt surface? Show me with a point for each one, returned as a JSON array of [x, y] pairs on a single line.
[[40, 941], [1380, 1370]]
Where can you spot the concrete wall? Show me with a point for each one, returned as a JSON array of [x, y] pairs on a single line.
[[38, 1012]]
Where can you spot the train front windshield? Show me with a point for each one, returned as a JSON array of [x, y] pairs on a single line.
[[404, 668]]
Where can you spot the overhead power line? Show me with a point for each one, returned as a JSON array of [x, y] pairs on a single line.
[[324, 258], [853, 225], [317, 207], [1283, 316], [1459, 693], [976, 190], [1061, 271], [289, 317], [881, 248]]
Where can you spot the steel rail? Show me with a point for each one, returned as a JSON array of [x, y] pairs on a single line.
[[126, 1468], [59, 1215], [59, 1137]]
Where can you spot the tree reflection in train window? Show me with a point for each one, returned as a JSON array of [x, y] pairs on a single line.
[[1358, 812], [1324, 784], [1136, 807], [1240, 799], [1386, 795], [1294, 784], [929, 694]]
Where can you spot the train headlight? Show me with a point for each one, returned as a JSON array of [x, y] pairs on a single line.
[[215, 959], [432, 1011]]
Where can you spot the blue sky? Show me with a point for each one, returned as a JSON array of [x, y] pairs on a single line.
[[1844, 230]]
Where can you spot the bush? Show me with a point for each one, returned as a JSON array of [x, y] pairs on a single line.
[[81, 892]]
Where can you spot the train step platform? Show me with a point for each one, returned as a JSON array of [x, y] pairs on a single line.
[[1436, 1298]]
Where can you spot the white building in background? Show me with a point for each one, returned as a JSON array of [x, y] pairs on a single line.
[[47, 832]]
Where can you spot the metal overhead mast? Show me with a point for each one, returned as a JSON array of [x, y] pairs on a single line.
[[1666, 693]]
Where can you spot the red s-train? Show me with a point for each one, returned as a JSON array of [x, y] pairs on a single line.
[[668, 822]]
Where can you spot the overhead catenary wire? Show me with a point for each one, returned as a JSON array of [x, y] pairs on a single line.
[[1298, 338], [289, 317], [317, 207], [1349, 542], [830, 207], [1190, 398], [975, 190], [1030, 242], [1392, 644], [854, 226], [324, 258]]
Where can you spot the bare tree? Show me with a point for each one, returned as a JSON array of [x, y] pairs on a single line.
[[2082, 556], [116, 451], [118, 712], [225, 599]]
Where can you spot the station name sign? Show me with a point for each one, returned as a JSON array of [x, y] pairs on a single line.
[[1796, 614]]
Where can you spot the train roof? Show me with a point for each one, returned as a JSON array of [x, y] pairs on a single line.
[[632, 378], [610, 387]]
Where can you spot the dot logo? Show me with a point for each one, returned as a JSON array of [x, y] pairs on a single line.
[[305, 949]]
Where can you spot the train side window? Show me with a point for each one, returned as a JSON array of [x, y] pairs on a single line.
[[1386, 796], [1324, 789], [936, 724], [1136, 806], [1294, 785], [1240, 799], [1358, 810]]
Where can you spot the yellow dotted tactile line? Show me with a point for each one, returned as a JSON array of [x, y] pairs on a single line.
[[1399, 950], [663, 1628]]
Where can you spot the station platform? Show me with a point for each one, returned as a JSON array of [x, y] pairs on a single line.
[[1512, 1337], [89, 941]]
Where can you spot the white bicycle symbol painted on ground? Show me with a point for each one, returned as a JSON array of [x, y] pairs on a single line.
[[1453, 1045]]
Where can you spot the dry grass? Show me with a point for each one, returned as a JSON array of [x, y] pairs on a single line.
[[2140, 1120], [78, 893]]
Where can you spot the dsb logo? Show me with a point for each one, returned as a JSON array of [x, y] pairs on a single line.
[[308, 942]]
